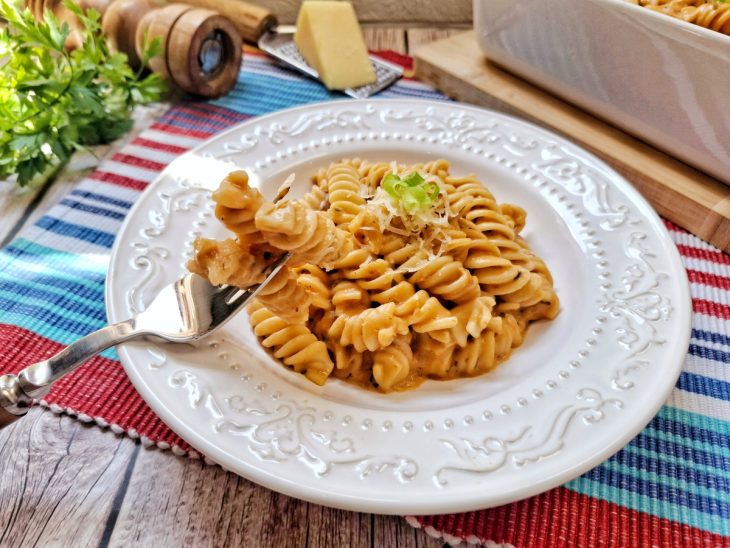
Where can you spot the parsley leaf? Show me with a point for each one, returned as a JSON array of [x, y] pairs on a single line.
[[411, 193], [53, 101]]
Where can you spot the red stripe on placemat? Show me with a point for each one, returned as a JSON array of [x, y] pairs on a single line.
[[564, 518], [138, 162], [100, 388], [156, 145], [397, 58], [120, 180], [174, 130], [705, 254], [253, 50], [702, 306], [721, 282]]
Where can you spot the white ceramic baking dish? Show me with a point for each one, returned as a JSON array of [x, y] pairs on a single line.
[[662, 79]]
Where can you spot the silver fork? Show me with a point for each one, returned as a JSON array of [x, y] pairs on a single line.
[[184, 311]]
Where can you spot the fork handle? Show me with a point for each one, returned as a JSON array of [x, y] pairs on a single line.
[[17, 392]]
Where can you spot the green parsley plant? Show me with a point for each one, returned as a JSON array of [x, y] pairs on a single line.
[[54, 102]]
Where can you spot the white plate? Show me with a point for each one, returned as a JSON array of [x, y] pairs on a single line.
[[578, 389]]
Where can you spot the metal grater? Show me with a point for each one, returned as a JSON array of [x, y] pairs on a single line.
[[280, 45]]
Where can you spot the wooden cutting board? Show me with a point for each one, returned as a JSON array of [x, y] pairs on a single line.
[[680, 193]]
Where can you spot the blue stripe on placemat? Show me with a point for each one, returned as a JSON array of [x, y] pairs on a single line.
[[406, 93], [685, 468], [47, 324], [686, 429], [69, 314], [707, 386], [189, 121], [85, 269], [271, 95], [196, 117], [104, 212], [64, 297], [102, 198], [709, 353], [84, 233], [676, 490], [709, 336], [700, 482], [687, 449]]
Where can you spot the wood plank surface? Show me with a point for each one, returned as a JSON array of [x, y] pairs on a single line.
[[680, 193], [417, 37], [428, 12], [59, 481], [386, 38], [69, 484]]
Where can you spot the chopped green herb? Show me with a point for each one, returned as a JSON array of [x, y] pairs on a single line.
[[411, 193]]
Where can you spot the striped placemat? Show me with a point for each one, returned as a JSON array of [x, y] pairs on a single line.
[[669, 487]]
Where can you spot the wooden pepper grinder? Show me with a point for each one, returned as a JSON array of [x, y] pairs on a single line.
[[202, 49]]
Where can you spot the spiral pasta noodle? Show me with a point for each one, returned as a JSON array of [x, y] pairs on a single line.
[[349, 298], [392, 363], [712, 14], [309, 235], [285, 297], [443, 276], [237, 204], [482, 354], [343, 183], [226, 263], [425, 314], [314, 198], [371, 329], [293, 344], [375, 293], [315, 282], [372, 174], [468, 198], [446, 277]]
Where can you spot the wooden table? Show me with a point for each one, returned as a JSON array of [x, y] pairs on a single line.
[[65, 483]]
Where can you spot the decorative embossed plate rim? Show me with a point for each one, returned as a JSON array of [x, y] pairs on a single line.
[[578, 390]]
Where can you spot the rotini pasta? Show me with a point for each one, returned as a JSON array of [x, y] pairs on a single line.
[[474, 203], [343, 183], [293, 344], [226, 262], [392, 363], [315, 282], [237, 204], [309, 235], [371, 329], [314, 198], [712, 14], [398, 273]]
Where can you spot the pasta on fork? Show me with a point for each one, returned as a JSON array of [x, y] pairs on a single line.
[[408, 273]]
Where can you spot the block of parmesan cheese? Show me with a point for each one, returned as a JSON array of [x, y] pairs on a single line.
[[329, 38]]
